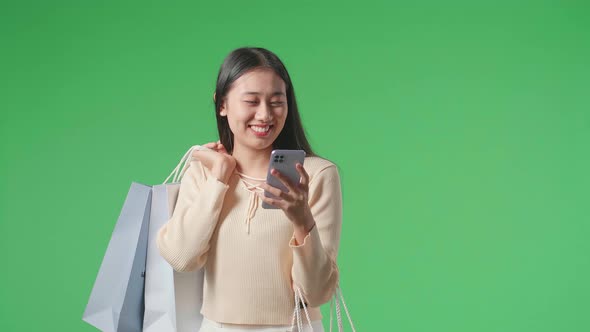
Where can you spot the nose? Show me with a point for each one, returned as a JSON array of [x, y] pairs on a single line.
[[264, 113]]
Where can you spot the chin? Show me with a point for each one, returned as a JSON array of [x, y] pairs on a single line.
[[261, 145]]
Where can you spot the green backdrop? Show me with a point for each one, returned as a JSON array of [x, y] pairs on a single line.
[[461, 130]]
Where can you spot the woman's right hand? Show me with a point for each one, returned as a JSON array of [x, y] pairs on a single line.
[[219, 162]]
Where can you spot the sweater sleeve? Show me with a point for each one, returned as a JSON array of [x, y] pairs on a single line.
[[184, 240], [314, 261]]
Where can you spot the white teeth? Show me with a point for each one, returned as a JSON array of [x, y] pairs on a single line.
[[260, 129]]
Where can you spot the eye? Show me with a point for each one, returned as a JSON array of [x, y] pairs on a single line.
[[251, 102], [277, 103]]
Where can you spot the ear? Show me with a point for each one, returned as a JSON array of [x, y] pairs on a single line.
[[222, 110]]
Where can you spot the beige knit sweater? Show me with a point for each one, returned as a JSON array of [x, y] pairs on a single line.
[[249, 254]]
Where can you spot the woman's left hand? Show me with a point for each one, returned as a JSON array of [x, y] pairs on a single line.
[[293, 202]]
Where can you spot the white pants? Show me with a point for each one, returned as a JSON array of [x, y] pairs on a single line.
[[211, 326]]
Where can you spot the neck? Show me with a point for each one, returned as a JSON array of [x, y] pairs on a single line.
[[252, 162]]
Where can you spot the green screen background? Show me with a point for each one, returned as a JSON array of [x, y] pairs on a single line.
[[461, 131]]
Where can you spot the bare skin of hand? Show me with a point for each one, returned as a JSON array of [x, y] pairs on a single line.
[[294, 202], [219, 162]]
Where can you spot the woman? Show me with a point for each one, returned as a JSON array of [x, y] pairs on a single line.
[[256, 260]]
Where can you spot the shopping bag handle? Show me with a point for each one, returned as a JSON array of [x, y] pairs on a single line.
[[184, 163], [297, 312], [335, 299]]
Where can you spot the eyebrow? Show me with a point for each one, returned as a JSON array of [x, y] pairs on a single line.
[[276, 93]]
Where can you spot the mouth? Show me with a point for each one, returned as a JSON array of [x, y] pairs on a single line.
[[261, 131]]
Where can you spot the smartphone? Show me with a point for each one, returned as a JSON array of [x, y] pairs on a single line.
[[283, 161]]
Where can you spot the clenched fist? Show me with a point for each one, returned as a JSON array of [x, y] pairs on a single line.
[[218, 161]]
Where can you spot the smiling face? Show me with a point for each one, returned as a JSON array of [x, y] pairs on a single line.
[[256, 109]]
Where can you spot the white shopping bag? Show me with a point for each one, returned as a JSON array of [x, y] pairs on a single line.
[[173, 299], [116, 301]]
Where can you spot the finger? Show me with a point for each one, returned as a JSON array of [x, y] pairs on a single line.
[[202, 148], [304, 181], [272, 201], [275, 191], [221, 148], [290, 186], [211, 145]]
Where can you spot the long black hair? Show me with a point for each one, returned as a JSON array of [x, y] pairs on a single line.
[[237, 63]]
